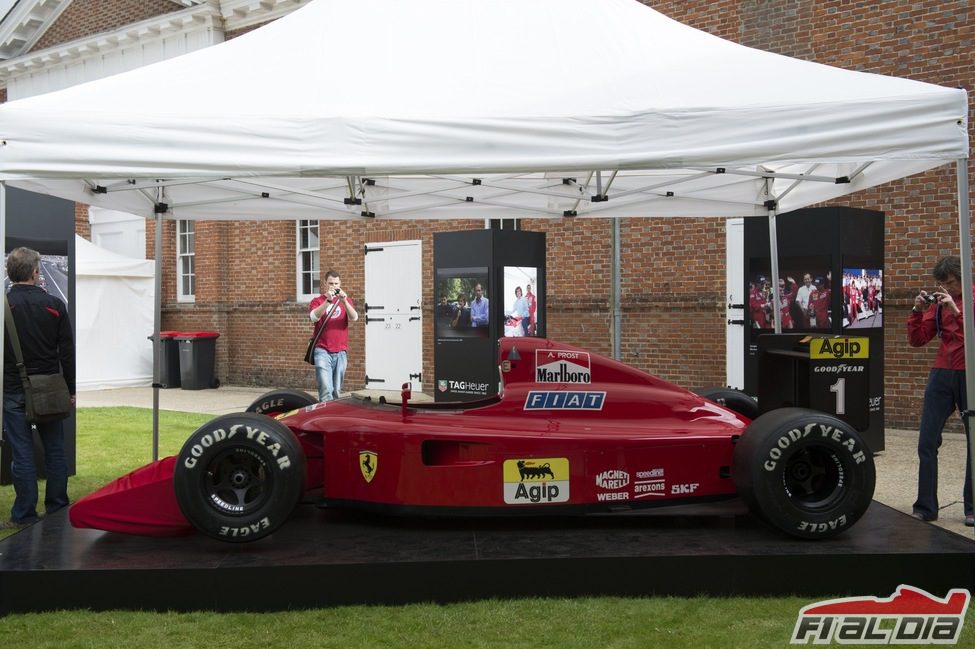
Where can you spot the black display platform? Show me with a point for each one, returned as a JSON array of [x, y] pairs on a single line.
[[331, 557]]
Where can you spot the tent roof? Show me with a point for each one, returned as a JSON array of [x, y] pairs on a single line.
[[477, 108]]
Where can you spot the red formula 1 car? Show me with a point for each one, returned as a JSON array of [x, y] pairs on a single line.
[[570, 432]]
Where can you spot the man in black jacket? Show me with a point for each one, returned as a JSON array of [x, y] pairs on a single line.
[[48, 348]]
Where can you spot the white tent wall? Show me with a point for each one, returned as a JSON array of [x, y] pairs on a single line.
[[115, 317]]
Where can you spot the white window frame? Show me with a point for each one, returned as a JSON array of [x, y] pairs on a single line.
[[307, 261], [185, 229]]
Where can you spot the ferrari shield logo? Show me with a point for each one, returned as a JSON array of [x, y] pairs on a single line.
[[368, 463]]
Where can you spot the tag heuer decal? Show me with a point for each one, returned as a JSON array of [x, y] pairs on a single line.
[[368, 463], [442, 385]]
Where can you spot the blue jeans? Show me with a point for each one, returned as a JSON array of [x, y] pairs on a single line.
[[20, 441], [944, 393], [329, 370]]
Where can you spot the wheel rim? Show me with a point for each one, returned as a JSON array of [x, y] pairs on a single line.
[[237, 482], [814, 478]]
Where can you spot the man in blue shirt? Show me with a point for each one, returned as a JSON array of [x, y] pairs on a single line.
[[479, 308]]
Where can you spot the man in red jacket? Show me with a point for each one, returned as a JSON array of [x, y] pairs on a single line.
[[939, 314]]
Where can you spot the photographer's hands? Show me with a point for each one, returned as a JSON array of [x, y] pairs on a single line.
[[942, 297]]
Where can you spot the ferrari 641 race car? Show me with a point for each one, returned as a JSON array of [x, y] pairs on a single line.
[[569, 432]]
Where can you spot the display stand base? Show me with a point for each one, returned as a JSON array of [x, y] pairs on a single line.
[[326, 557]]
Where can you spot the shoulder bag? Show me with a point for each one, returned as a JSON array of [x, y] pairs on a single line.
[[46, 396]]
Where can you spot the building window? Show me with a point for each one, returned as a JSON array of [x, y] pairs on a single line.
[[307, 263], [185, 261]]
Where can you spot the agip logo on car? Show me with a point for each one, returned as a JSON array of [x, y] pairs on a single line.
[[532, 481], [562, 366]]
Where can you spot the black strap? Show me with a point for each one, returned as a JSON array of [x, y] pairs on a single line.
[[8, 319], [324, 321]]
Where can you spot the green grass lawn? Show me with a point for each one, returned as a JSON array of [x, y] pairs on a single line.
[[113, 441]]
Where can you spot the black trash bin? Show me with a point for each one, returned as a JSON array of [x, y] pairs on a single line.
[[197, 359], [169, 359]]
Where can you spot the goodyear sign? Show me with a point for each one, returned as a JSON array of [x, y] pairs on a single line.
[[836, 348], [532, 481]]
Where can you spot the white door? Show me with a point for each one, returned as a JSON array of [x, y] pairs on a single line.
[[735, 304], [393, 315]]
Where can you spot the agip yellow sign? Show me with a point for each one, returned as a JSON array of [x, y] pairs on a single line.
[[836, 348]]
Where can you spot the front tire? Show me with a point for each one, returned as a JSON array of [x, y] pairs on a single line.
[[805, 472], [239, 477]]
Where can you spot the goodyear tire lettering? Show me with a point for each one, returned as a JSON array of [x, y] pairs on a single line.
[[239, 477], [805, 472]]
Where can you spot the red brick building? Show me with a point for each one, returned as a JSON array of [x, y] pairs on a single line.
[[673, 270]]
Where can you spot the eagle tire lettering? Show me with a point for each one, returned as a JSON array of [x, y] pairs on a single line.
[[239, 477], [278, 401], [805, 472]]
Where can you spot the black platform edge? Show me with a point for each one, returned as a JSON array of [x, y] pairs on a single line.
[[327, 558]]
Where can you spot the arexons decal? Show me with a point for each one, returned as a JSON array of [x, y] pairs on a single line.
[[909, 616], [649, 482], [557, 366], [536, 480]]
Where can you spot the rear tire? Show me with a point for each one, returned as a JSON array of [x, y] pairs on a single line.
[[731, 399], [239, 477], [805, 472], [277, 402]]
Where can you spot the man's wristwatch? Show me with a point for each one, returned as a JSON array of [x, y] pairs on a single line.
[[917, 310]]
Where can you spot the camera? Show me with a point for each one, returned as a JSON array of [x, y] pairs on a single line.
[[930, 298], [336, 291]]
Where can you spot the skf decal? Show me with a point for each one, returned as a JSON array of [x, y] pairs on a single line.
[[839, 348], [554, 366], [368, 464], [909, 616], [545, 400], [530, 481]]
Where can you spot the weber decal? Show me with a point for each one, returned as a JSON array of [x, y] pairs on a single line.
[[564, 400], [554, 366], [532, 481]]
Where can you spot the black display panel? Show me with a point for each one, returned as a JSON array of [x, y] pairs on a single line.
[[833, 246]]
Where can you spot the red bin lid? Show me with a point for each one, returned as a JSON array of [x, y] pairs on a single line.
[[191, 335]]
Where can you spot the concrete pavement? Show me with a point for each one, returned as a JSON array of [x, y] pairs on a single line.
[[896, 465]]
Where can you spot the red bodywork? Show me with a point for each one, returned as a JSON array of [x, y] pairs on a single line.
[[612, 437], [570, 431]]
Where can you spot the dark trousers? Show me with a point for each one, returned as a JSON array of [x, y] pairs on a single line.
[[945, 392]]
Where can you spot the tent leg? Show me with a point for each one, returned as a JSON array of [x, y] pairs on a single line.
[[3, 241], [773, 246], [157, 325], [617, 293], [965, 241]]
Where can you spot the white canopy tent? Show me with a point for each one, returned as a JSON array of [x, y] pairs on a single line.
[[393, 109], [115, 305]]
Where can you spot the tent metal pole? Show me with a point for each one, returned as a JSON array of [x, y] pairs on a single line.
[[773, 247], [617, 293], [968, 323], [157, 325], [3, 240]]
